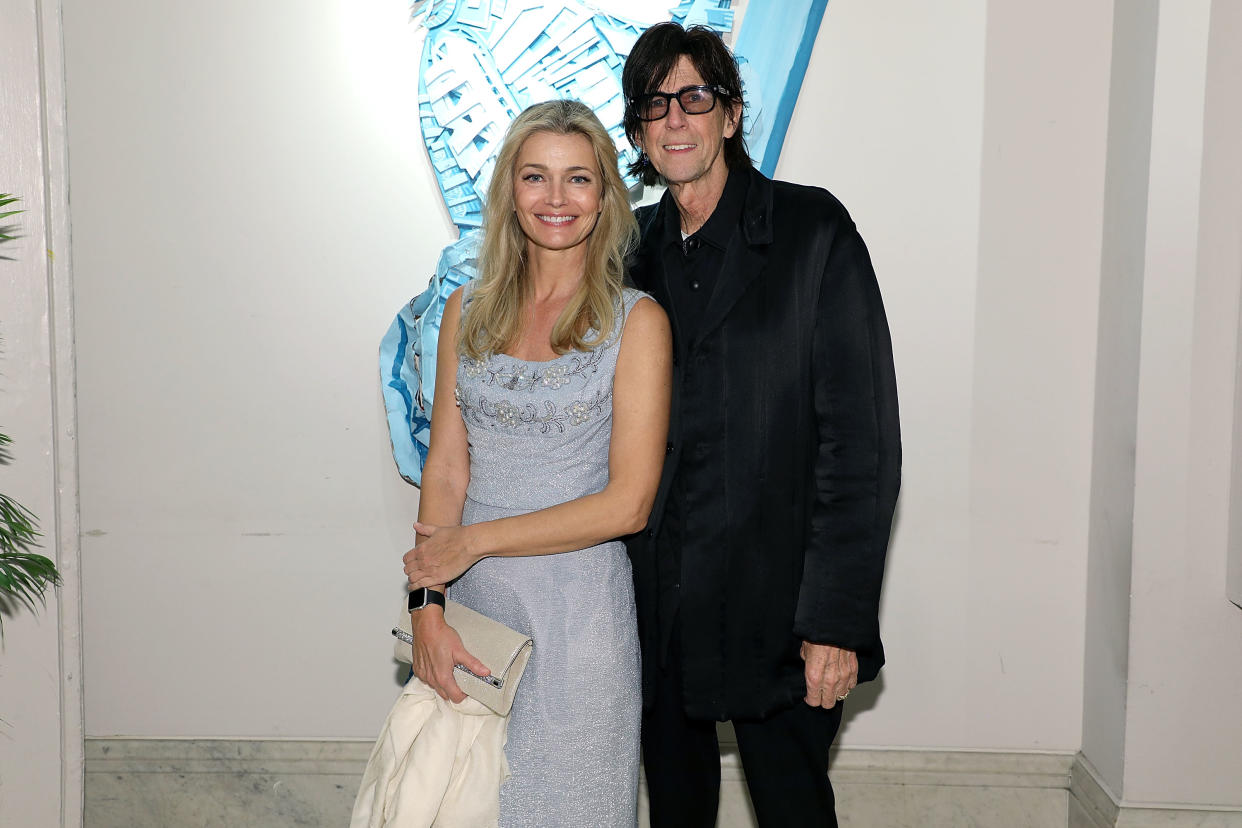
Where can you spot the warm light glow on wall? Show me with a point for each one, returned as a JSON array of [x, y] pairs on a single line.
[[382, 47]]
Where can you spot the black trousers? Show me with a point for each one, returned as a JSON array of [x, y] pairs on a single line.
[[785, 757]]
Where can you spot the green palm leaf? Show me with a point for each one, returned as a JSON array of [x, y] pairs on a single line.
[[24, 575], [8, 232]]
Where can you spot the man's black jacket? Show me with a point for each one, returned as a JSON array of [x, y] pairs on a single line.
[[785, 433]]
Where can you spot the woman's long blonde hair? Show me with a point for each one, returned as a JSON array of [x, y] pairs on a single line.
[[494, 321]]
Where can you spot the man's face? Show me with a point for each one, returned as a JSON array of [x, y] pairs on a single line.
[[686, 148]]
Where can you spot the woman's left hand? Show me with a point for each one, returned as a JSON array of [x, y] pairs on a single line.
[[443, 556]]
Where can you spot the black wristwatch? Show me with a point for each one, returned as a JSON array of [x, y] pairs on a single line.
[[422, 597]]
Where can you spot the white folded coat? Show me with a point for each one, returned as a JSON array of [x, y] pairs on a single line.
[[435, 763]]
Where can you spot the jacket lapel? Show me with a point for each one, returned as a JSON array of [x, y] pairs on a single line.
[[745, 258], [647, 268], [649, 262]]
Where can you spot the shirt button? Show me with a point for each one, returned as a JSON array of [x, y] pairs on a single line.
[[695, 284], [668, 448]]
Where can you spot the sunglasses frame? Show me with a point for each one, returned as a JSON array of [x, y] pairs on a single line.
[[669, 97]]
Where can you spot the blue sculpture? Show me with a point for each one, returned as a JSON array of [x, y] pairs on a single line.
[[483, 62]]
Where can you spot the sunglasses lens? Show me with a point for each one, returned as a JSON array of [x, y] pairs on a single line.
[[697, 100], [653, 108]]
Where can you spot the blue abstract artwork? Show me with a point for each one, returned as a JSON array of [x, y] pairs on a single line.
[[482, 63]]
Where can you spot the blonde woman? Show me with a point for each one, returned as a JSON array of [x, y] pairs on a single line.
[[554, 450]]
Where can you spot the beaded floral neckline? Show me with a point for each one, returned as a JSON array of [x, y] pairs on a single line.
[[519, 375]]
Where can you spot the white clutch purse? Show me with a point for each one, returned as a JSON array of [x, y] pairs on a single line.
[[505, 651]]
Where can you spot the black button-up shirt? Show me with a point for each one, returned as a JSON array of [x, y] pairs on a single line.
[[691, 267]]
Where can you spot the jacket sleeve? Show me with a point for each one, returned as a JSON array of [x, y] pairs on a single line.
[[858, 457]]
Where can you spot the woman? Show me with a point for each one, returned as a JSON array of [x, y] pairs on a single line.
[[562, 379]]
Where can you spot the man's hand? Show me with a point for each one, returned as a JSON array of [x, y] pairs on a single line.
[[831, 673], [444, 555]]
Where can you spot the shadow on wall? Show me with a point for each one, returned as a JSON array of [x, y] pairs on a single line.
[[862, 698]]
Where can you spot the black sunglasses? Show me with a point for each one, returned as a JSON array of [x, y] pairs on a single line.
[[693, 100]]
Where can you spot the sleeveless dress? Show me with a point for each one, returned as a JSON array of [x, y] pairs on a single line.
[[539, 434]]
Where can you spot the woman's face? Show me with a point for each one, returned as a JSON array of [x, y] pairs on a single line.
[[557, 190]]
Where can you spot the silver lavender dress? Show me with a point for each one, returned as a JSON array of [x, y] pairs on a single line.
[[539, 435]]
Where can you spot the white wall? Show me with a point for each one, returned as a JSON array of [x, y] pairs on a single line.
[[1183, 730], [252, 203], [916, 203], [1107, 631], [1044, 152], [251, 208], [1224, 120], [40, 658]]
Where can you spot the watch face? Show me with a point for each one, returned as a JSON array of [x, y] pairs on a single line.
[[417, 600], [421, 597]]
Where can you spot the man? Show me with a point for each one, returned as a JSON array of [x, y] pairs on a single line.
[[758, 577]]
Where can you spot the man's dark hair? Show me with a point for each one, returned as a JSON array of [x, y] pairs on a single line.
[[650, 62]]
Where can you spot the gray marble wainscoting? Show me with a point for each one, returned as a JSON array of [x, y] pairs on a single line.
[[219, 783], [149, 783], [1092, 806], [961, 789]]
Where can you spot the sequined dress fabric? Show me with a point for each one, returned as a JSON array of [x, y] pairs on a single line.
[[539, 435]]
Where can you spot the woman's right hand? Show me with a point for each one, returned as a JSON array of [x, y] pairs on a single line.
[[437, 648]]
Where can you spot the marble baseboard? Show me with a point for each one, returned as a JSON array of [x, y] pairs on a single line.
[[211, 783], [1135, 816], [1092, 805], [962, 789], [136, 783], [155, 783]]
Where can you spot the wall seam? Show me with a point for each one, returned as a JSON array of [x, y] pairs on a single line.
[[63, 406]]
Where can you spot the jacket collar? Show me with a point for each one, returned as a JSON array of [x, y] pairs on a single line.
[[757, 212], [756, 216], [744, 259], [756, 220], [722, 225]]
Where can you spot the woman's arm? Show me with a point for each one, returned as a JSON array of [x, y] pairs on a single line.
[[641, 390], [437, 647]]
